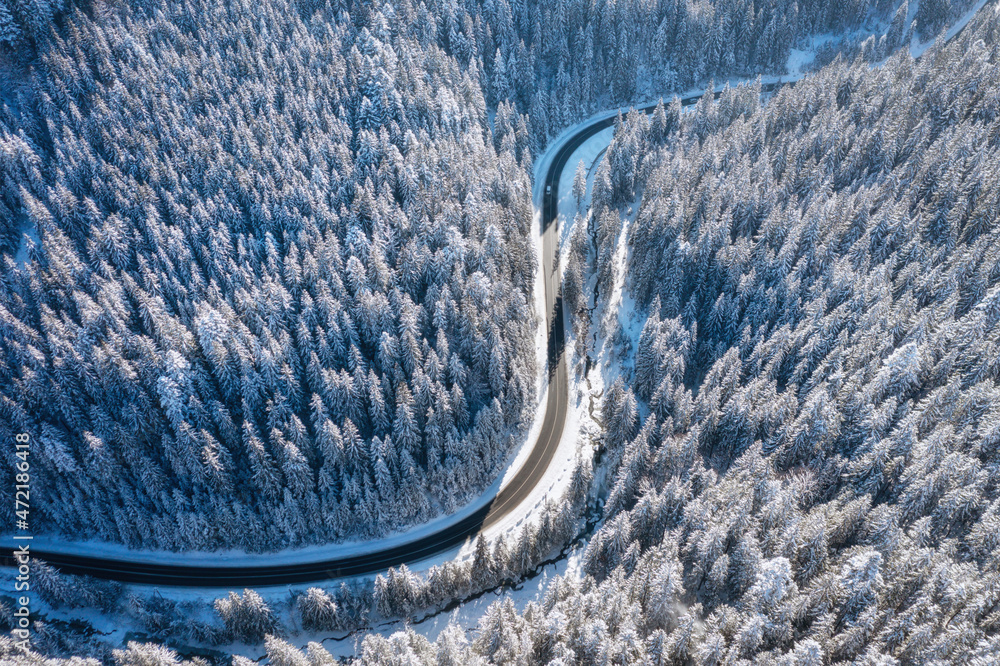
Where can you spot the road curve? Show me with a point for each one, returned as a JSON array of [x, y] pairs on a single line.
[[505, 502]]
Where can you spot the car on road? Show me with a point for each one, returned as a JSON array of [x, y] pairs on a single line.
[[548, 190]]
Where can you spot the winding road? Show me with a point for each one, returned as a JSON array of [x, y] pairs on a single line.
[[509, 498]]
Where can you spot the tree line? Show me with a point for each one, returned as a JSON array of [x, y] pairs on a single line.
[[259, 302]]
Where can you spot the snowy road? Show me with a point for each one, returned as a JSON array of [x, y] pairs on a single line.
[[350, 560], [176, 569], [358, 559], [158, 569]]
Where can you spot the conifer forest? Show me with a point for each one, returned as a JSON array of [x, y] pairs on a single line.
[[500, 332]]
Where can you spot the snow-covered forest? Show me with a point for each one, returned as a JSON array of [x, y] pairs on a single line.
[[810, 453], [251, 297], [809, 437], [248, 278], [265, 304], [269, 281]]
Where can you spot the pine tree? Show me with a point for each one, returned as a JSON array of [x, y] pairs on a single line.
[[318, 610], [247, 618], [10, 32], [146, 654], [580, 184], [281, 653], [482, 564]]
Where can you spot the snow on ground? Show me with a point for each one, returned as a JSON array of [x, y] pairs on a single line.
[[799, 59], [619, 303], [466, 615], [583, 391], [29, 240], [348, 548], [589, 153], [917, 49], [559, 474], [289, 556]]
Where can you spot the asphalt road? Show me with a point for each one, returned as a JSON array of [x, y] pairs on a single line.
[[506, 501]]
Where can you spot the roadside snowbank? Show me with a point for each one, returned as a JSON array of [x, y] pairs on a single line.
[[917, 49], [350, 548]]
